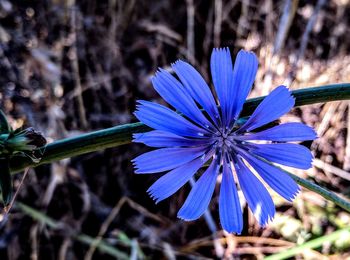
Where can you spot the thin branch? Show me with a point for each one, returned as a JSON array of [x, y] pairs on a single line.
[[289, 10], [190, 31], [75, 68], [305, 40], [217, 22], [9, 207], [332, 169], [309, 27]]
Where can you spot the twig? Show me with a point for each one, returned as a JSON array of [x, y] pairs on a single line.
[[217, 22], [193, 246], [347, 149], [8, 208], [34, 242], [62, 254], [309, 26], [208, 40], [228, 8], [190, 31], [111, 217], [332, 169], [168, 251], [323, 126], [304, 41], [104, 228], [327, 118], [134, 249], [289, 10], [243, 20], [259, 250], [75, 67]]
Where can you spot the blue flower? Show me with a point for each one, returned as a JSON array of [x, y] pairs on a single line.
[[188, 140]]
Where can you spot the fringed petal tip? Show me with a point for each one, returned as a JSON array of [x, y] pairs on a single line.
[[267, 221], [136, 137], [158, 74], [222, 49], [185, 219], [137, 170], [136, 167], [232, 230], [150, 193], [153, 196], [294, 195], [159, 70], [266, 217], [177, 62], [140, 102]]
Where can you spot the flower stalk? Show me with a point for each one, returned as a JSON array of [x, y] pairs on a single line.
[[120, 135]]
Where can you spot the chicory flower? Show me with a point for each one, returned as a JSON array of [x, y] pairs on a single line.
[[205, 133]]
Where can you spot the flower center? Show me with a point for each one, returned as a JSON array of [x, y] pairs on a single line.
[[224, 140]]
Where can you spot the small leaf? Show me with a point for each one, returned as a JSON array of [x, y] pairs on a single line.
[[5, 181], [4, 125]]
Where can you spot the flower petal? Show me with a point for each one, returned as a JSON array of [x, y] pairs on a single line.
[[284, 133], [244, 72], [276, 104], [277, 179], [197, 87], [222, 75], [293, 155], [172, 181], [165, 159], [198, 199], [176, 95], [258, 198], [229, 207], [157, 138], [159, 117]]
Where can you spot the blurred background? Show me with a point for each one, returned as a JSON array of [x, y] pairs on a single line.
[[68, 67]]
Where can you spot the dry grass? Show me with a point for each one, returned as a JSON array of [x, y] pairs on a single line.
[[73, 66]]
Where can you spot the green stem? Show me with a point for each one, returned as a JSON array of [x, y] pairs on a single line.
[[315, 243], [119, 135], [328, 195]]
